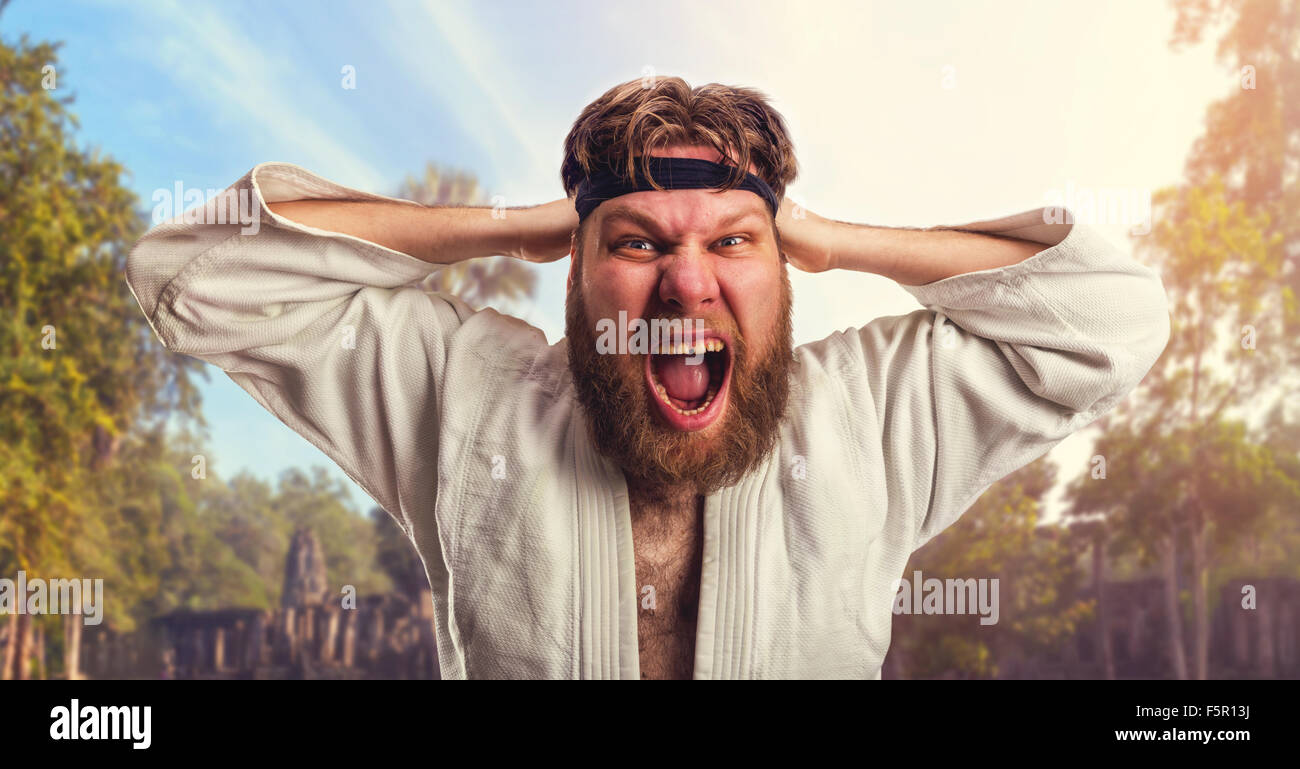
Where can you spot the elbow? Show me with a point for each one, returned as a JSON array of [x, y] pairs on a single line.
[[146, 273], [1126, 333], [147, 277], [1138, 343], [1128, 320], [1150, 334], [154, 263]]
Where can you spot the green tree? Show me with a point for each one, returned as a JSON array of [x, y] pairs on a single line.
[[315, 502], [478, 281], [94, 480], [1186, 473], [79, 369], [1038, 585], [1252, 135], [242, 513], [397, 558], [1208, 491]]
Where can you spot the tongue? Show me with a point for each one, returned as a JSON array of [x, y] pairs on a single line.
[[683, 381]]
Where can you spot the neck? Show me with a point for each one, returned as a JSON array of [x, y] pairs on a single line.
[[660, 493]]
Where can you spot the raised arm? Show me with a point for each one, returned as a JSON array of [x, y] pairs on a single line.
[[1030, 332], [443, 234], [313, 307], [911, 257]]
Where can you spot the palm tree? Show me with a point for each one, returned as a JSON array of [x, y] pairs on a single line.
[[477, 281]]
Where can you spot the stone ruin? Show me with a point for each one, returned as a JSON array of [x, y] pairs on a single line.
[[311, 635], [304, 572]]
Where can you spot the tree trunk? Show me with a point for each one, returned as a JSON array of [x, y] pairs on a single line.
[[1266, 648], [38, 649], [22, 648], [1103, 627], [72, 647], [1173, 611], [1195, 517], [1200, 607], [11, 641]]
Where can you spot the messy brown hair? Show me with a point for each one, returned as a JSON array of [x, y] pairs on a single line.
[[634, 118]]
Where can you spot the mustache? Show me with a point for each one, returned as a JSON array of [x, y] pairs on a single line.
[[659, 323], [615, 401]]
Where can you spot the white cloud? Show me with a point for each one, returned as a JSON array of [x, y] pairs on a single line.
[[246, 87], [445, 51]]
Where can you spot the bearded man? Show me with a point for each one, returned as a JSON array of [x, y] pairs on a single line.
[[723, 505]]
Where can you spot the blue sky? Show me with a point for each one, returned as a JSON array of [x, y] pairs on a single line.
[[902, 113]]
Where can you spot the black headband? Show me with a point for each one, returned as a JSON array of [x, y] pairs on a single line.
[[671, 173]]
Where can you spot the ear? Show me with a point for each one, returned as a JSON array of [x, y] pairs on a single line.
[[780, 246], [573, 261]]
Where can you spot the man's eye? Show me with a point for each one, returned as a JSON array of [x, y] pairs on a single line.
[[629, 244], [723, 242]]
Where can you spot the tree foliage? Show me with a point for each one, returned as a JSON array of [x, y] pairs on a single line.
[[479, 282], [1038, 585], [80, 368], [1196, 467]]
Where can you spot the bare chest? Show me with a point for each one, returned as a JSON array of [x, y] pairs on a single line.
[[667, 541]]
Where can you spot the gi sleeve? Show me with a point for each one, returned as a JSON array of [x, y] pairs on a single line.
[[326, 331], [1001, 365]]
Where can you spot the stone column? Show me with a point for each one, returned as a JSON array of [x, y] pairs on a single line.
[[349, 637], [253, 639], [330, 638], [218, 649]]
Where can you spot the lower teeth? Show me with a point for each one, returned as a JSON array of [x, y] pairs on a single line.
[[708, 399]]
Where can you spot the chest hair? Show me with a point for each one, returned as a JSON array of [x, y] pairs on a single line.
[[668, 541]]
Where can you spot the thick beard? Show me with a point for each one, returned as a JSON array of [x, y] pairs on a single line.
[[626, 427]]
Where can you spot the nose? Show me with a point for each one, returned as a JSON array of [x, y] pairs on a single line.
[[687, 282]]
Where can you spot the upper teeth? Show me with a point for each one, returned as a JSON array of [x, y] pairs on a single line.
[[692, 348]]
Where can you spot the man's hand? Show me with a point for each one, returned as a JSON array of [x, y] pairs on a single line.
[[543, 233], [908, 256], [802, 237]]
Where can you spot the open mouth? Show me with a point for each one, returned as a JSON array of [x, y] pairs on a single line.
[[688, 379]]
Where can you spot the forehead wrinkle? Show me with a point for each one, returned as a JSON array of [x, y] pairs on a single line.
[[649, 221]]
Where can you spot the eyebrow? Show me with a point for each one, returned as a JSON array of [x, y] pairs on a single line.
[[649, 222]]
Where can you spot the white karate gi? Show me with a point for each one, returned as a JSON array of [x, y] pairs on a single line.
[[893, 430]]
